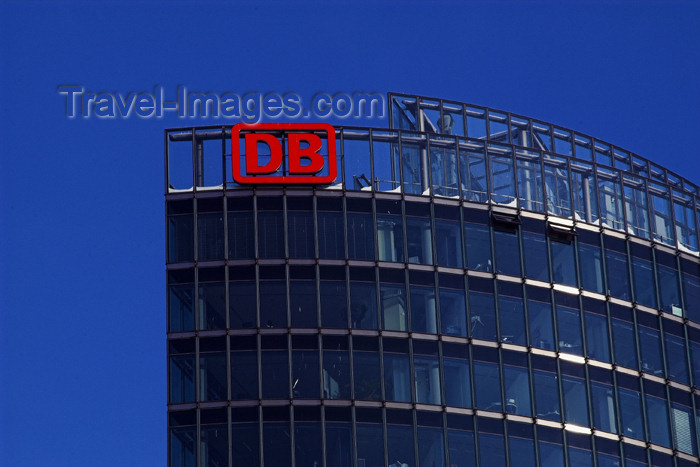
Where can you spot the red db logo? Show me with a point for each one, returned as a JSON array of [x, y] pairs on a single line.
[[307, 159]]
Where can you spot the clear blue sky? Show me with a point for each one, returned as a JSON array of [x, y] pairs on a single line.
[[82, 293]]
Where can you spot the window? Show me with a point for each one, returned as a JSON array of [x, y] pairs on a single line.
[[392, 297], [336, 368], [242, 298], [397, 380], [270, 228], [360, 229], [448, 240], [334, 307], [302, 297], [300, 228], [180, 231], [244, 373], [482, 311], [363, 300], [511, 313], [241, 230], [546, 395], [453, 314], [624, 343], [423, 316], [569, 324], [457, 376], [476, 238], [487, 384], [366, 370], [507, 248], [539, 311], [389, 231], [419, 238], [535, 252], [211, 303], [618, 274], [426, 372], [517, 387], [591, 263], [212, 373], [563, 263], [210, 229], [597, 339]]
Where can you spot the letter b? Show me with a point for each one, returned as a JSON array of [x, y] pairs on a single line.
[[296, 153]]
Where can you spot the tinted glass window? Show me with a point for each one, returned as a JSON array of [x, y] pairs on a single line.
[[476, 238]]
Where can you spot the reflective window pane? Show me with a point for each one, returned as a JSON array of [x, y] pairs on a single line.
[[478, 242]]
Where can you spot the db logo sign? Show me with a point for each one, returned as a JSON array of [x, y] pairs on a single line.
[[303, 162]]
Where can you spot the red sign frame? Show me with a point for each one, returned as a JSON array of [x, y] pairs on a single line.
[[305, 177]]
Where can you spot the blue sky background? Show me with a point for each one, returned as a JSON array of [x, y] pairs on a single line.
[[82, 302]]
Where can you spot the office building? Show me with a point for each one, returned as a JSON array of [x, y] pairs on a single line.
[[476, 288]]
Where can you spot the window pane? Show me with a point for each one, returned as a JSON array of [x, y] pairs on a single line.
[[399, 445], [569, 327], [397, 382], [363, 305], [535, 250], [461, 445], [213, 446], [512, 316], [242, 304], [591, 267], [563, 266], [367, 375], [330, 235], [487, 383], [393, 303], [241, 235], [575, 400], [631, 413], [624, 343], [603, 402], [270, 234], [305, 378], [419, 240], [370, 445], [476, 238], [426, 371], [644, 286], [276, 444], [360, 236], [244, 444], [339, 444], [183, 445], [517, 386], [492, 450], [453, 313], [457, 382], [180, 308], [668, 289], [180, 238], [423, 317], [522, 451], [389, 238], [676, 358], [273, 304], [650, 346], [210, 236], [302, 304], [244, 375], [334, 308], [482, 314], [657, 421], [181, 379], [431, 447], [300, 225], [212, 306], [683, 429], [507, 251], [618, 278], [336, 374], [307, 444], [541, 329], [598, 344], [551, 455], [448, 243], [547, 396], [275, 374], [212, 376]]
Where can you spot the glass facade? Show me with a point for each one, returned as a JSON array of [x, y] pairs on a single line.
[[475, 289]]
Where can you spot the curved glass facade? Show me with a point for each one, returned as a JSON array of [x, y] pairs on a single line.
[[476, 288]]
